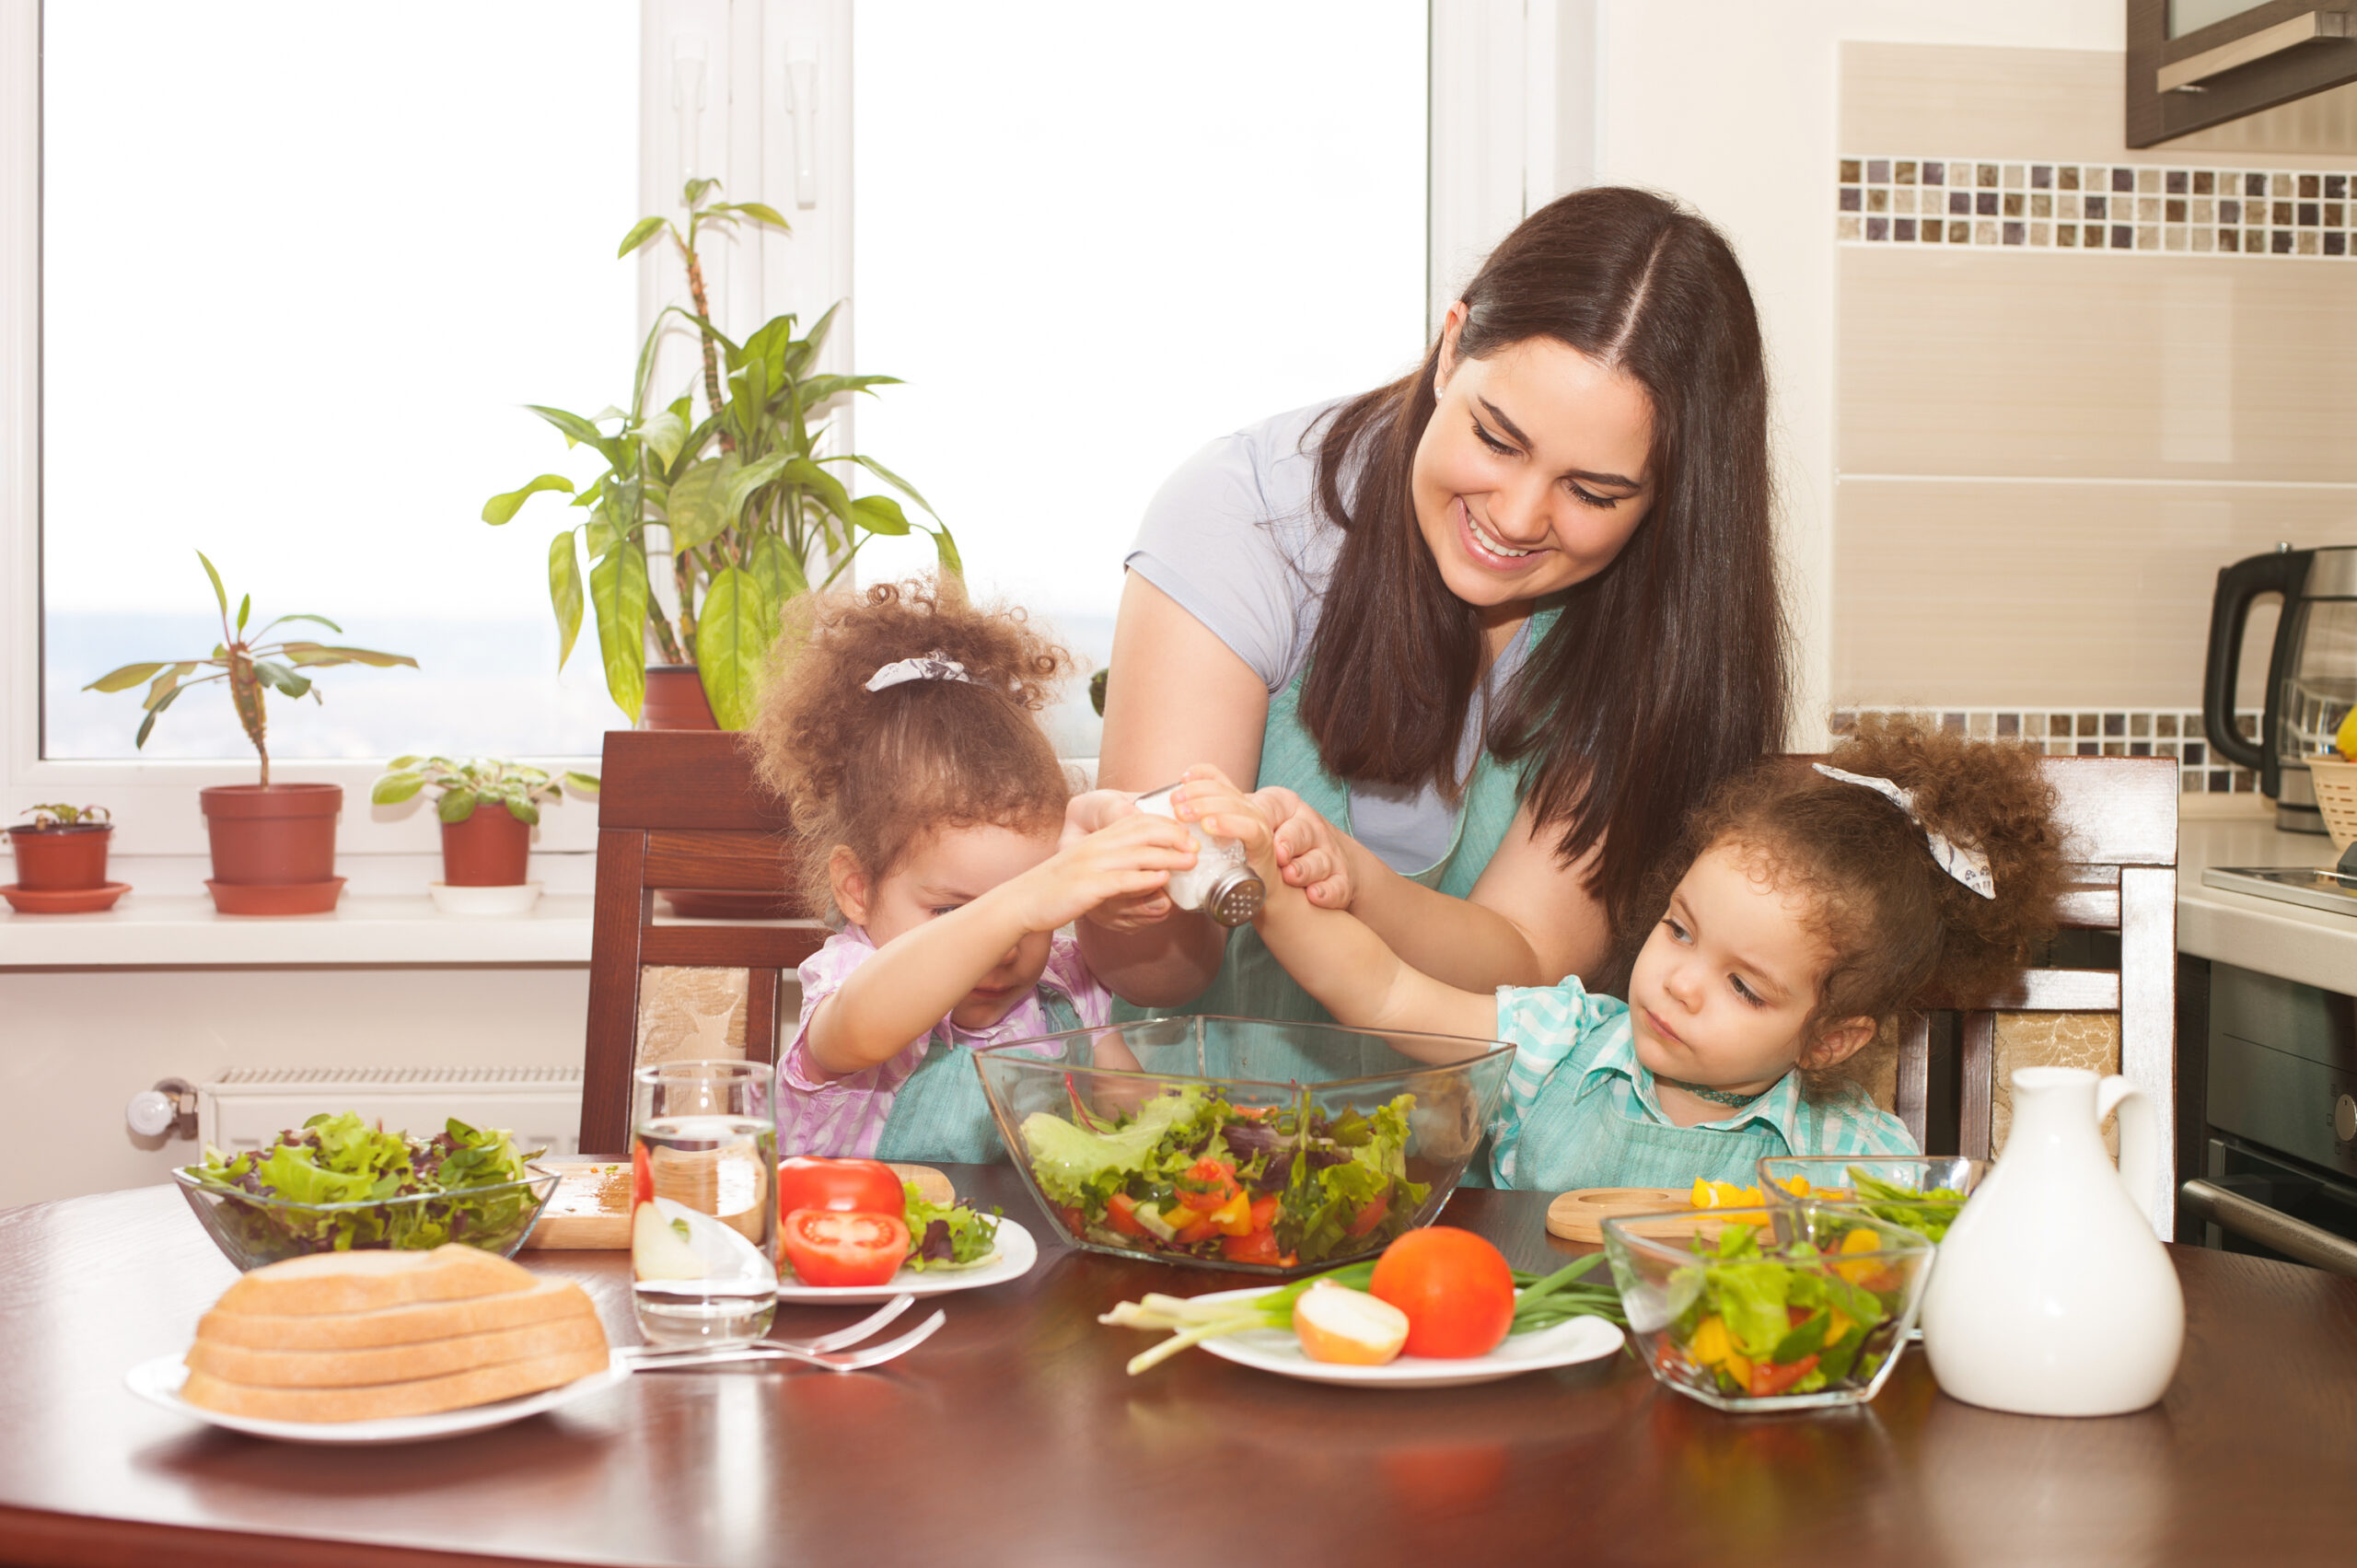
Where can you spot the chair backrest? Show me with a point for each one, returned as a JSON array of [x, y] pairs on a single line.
[[679, 809], [2121, 813]]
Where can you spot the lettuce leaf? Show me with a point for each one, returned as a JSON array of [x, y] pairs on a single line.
[[1082, 1168]]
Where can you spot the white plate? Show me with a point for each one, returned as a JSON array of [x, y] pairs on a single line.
[[511, 898], [1278, 1350], [158, 1382], [1016, 1253]]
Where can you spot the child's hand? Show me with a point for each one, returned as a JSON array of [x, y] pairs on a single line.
[[1092, 812], [1309, 848], [1132, 857], [1211, 798]]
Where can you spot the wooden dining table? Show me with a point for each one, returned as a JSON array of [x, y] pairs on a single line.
[[1014, 1435]]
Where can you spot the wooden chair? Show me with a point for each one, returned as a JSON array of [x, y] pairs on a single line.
[[2121, 815], [679, 809]]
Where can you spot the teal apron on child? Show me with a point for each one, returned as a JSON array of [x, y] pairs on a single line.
[[1569, 1141], [940, 1111]]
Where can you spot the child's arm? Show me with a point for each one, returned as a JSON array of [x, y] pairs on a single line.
[[915, 980], [1331, 952]]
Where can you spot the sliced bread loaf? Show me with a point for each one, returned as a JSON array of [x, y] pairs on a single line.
[[395, 1364], [363, 1282], [417, 1321], [378, 1402]]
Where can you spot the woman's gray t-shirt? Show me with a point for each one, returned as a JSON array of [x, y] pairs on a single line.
[[1236, 539]]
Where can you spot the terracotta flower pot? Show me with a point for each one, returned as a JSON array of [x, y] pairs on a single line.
[[489, 849], [273, 847], [675, 699], [61, 860]]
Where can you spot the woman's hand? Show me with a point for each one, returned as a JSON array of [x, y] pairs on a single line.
[[1128, 861], [1093, 812], [1312, 854]]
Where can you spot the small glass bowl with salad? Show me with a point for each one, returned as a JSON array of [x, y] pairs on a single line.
[[336, 1184], [1242, 1145], [1800, 1305]]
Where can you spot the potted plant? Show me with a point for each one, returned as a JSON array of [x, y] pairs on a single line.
[[488, 808], [274, 845], [754, 511], [61, 861]]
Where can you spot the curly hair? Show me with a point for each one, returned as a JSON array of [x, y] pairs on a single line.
[[877, 771], [1893, 924]]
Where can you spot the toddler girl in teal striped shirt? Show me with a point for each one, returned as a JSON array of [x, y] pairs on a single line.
[[1812, 904]]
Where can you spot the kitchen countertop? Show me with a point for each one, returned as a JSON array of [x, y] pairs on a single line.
[[2312, 945]]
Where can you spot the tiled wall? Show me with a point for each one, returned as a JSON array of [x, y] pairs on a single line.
[[2119, 733], [2045, 450], [2259, 213]]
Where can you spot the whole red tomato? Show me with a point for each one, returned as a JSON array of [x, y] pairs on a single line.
[[862, 1187], [1455, 1288]]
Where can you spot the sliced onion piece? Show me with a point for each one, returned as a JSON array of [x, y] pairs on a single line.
[[1348, 1326]]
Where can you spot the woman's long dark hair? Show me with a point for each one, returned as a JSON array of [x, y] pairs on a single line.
[[1666, 672]]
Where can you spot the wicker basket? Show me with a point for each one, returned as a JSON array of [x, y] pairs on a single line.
[[2336, 784]]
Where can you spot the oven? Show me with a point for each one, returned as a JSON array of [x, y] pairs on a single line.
[[2282, 1108]]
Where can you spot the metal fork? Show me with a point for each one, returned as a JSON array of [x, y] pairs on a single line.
[[873, 1355], [815, 1345]]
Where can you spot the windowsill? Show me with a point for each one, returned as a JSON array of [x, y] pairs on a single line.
[[150, 930]]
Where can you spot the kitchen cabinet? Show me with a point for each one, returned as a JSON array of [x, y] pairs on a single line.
[[2195, 63]]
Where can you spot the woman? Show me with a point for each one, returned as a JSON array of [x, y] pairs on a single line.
[[1483, 636]]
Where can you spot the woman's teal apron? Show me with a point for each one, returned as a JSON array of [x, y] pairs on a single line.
[[941, 1113], [1577, 1137]]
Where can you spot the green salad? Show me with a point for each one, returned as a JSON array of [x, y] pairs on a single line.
[[1190, 1173], [1928, 1214], [331, 1184], [1759, 1323], [948, 1235]]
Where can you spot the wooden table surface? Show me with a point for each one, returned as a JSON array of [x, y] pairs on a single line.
[[1014, 1437]]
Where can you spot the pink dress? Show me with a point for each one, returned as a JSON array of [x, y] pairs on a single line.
[[845, 1117]]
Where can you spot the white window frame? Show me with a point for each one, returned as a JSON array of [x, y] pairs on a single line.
[[1493, 115]]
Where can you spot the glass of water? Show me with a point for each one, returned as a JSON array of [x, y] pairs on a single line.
[[704, 1201]]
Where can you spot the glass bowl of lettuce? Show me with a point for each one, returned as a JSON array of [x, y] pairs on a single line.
[[1243, 1144], [336, 1184], [1800, 1305]]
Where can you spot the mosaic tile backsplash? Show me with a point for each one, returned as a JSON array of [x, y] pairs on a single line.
[[2116, 732], [2079, 206]]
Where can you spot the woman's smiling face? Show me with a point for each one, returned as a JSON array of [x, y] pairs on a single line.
[[1532, 472]]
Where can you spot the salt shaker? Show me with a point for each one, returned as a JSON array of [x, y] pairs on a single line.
[[1219, 884]]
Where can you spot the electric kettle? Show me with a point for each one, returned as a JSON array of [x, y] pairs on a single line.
[[2311, 675]]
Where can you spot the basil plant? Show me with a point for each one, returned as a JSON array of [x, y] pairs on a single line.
[[755, 510]]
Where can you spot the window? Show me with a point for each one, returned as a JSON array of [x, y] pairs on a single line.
[[301, 265]]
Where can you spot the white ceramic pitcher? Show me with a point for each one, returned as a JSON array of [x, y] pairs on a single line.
[[2052, 1296]]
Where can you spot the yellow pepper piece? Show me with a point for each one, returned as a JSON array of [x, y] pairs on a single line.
[[1704, 1197], [1797, 1186], [1835, 1325], [1711, 1344], [1235, 1217], [1737, 1366], [1858, 1241]]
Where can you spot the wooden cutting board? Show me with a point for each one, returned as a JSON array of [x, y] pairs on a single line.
[[589, 1211], [1580, 1216]]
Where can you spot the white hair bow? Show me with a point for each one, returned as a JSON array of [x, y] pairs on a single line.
[[933, 666], [1965, 863]]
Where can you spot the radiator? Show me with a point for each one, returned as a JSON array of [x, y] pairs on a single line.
[[245, 1107]]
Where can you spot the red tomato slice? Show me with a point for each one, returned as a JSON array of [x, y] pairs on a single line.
[[642, 1177], [1453, 1286], [1122, 1213], [1371, 1214], [1260, 1247], [863, 1187], [1207, 1184], [1769, 1379], [828, 1247], [1264, 1211]]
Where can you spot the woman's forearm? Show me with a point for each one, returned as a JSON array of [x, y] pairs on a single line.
[[1164, 965]]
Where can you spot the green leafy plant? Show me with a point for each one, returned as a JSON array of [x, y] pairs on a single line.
[[756, 511], [463, 784], [250, 666], [51, 819]]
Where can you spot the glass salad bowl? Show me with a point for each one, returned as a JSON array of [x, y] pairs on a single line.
[[1924, 1193], [1241, 1144], [1796, 1306], [252, 1229]]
